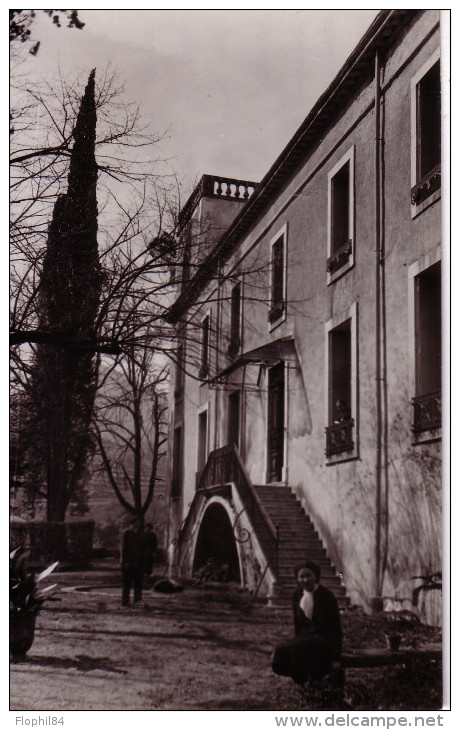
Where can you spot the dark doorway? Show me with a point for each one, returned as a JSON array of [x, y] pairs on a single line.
[[233, 430], [202, 440], [275, 435], [176, 481], [340, 370], [216, 547], [428, 328]]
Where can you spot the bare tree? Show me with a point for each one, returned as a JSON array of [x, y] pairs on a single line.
[[142, 234], [21, 23], [44, 288], [131, 428]]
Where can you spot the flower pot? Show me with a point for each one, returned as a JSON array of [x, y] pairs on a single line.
[[22, 632]]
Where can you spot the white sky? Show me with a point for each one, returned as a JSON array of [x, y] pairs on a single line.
[[232, 86]]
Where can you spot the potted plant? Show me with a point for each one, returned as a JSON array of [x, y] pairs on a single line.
[[26, 600]]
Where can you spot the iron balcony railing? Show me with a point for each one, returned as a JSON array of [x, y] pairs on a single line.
[[426, 186], [340, 257], [427, 412], [234, 346], [276, 311], [339, 437]]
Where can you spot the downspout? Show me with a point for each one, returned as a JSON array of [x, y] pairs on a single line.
[[217, 390], [286, 425], [377, 602]]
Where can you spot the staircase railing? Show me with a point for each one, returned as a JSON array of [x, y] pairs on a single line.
[[225, 466], [190, 518]]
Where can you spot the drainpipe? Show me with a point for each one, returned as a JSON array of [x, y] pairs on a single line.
[[377, 602], [217, 389], [286, 427]]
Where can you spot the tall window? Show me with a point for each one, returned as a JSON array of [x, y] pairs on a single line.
[[176, 481], [235, 321], [340, 194], [426, 131], [339, 372], [428, 346], [202, 440], [340, 233], [233, 423], [275, 422], [179, 376], [186, 241], [278, 278], [204, 368], [342, 386]]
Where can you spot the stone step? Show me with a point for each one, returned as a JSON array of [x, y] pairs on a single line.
[[298, 541], [304, 553], [272, 488], [281, 518], [293, 521], [286, 501], [278, 498], [279, 515], [292, 538], [284, 603], [299, 537], [294, 561], [287, 588], [280, 507], [287, 572], [290, 535], [328, 581], [294, 525]]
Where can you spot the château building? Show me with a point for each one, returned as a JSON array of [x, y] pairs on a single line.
[[306, 398]]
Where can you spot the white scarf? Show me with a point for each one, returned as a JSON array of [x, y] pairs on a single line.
[[306, 604]]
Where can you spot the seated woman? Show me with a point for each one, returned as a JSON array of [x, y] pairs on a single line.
[[316, 649]]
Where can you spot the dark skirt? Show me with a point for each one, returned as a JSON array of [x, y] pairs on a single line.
[[303, 658]]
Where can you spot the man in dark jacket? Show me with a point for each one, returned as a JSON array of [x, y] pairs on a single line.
[[132, 562]]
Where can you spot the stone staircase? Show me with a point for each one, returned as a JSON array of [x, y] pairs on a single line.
[[298, 541]]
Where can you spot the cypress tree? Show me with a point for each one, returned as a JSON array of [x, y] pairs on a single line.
[[63, 378]]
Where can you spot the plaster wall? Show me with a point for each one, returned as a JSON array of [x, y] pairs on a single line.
[[341, 498]]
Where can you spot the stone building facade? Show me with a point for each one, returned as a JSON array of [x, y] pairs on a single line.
[[306, 402]]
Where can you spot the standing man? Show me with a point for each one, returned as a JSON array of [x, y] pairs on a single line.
[[132, 562]]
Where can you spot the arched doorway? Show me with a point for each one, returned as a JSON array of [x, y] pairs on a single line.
[[216, 546]]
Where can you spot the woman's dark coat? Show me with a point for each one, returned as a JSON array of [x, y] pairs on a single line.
[[318, 640], [325, 620]]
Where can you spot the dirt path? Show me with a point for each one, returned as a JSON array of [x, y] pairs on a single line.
[[184, 651], [197, 650]]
